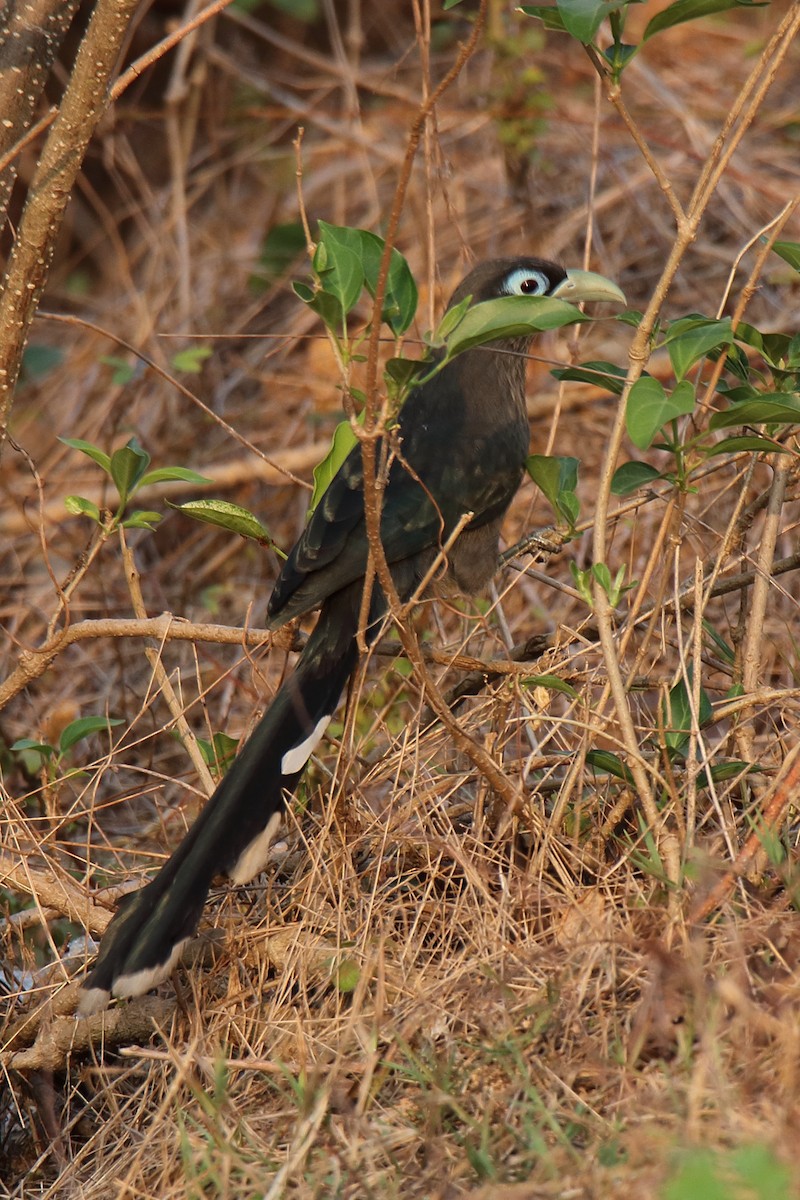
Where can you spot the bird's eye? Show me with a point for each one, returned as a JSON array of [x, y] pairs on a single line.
[[526, 282]]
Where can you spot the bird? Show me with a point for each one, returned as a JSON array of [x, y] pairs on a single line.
[[458, 447]]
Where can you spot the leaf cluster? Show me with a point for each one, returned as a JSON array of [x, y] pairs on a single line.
[[346, 262], [127, 468], [582, 19]]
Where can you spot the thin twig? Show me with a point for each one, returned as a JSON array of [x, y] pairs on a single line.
[[129, 76], [744, 112], [67, 319], [153, 653]]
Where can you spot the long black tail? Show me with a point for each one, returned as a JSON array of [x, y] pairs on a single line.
[[233, 832]]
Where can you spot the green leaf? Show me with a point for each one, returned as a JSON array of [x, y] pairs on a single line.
[[94, 452], [79, 506], [604, 760], [548, 14], [76, 731], [736, 445], [601, 374], [225, 515], [220, 751], [618, 56], [735, 362], [750, 336], [127, 467], [191, 360], [553, 474], [677, 714], [772, 408], [342, 442], [631, 476], [650, 408], [603, 576], [558, 478], [169, 474], [723, 771], [725, 650], [633, 317], [552, 682], [327, 308], [508, 317], [690, 340], [569, 507], [449, 321], [738, 392], [776, 348], [27, 744], [613, 588], [582, 581], [400, 296], [789, 252], [340, 274], [403, 371], [142, 519], [582, 18], [690, 10], [647, 411], [303, 291]]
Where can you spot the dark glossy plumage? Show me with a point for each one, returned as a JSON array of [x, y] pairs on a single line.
[[463, 439], [460, 446]]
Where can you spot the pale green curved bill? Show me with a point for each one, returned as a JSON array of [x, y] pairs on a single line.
[[587, 285]]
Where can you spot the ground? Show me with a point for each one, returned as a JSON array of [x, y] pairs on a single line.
[[431, 992]]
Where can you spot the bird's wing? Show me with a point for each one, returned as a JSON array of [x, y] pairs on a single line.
[[332, 550], [445, 466]]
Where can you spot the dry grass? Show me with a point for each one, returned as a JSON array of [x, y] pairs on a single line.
[[524, 1008]]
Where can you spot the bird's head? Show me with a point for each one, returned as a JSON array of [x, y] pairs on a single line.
[[534, 277]]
